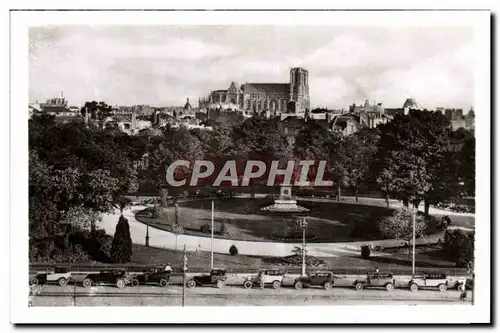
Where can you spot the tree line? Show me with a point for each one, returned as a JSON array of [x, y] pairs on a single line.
[[78, 171]]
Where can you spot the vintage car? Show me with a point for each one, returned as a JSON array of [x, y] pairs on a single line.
[[429, 280], [59, 275], [376, 280], [119, 278], [216, 277], [265, 277], [155, 275], [323, 279]]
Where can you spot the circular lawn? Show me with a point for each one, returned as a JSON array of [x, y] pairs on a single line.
[[242, 219]]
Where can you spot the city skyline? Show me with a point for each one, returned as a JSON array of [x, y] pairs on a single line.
[[163, 65]]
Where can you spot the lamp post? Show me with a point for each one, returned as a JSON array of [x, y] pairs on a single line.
[[184, 270], [413, 241], [212, 240], [303, 225], [147, 236]]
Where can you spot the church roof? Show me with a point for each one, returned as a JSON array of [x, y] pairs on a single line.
[[268, 88]]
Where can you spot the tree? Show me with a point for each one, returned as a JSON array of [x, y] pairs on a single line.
[[98, 111], [123, 203], [414, 161], [176, 144], [121, 248], [260, 137], [358, 152], [75, 174], [400, 226]]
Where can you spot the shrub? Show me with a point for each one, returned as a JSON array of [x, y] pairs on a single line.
[[233, 250], [459, 245], [223, 228], [400, 225], [365, 251], [177, 229], [205, 229], [121, 247]]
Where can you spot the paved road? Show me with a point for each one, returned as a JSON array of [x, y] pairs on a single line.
[[172, 296]]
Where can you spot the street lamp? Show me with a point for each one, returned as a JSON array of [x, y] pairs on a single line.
[[303, 225], [413, 241]]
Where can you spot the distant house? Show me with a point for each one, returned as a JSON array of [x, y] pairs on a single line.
[[345, 124], [131, 124], [59, 108], [373, 119]]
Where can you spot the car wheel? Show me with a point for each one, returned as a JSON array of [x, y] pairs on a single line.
[[134, 283], [163, 282], [389, 287], [87, 283], [327, 286], [359, 286], [220, 284], [442, 287], [298, 285], [62, 282], [414, 287], [34, 281], [276, 285], [191, 284], [120, 283], [247, 284]]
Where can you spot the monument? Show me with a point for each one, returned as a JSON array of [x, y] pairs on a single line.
[[285, 203]]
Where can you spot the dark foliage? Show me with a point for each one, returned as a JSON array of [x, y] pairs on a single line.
[[121, 248], [365, 251], [459, 245], [233, 250]]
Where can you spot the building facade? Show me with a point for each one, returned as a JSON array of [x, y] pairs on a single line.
[[273, 99]]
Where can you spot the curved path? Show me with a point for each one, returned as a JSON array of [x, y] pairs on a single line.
[[165, 239]]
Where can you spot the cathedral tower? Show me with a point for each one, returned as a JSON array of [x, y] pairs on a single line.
[[299, 89]]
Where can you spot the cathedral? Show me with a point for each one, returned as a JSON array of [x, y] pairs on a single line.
[[271, 99]]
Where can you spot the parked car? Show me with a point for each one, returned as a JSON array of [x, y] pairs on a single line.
[[265, 277], [323, 279], [59, 275], [156, 276], [216, 277], [119, 278], [429, 280], [376, 280]]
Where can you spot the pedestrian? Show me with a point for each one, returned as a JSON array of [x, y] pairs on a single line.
[[261, 280], [463, 291]]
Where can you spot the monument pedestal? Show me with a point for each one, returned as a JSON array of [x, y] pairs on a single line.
[[285, 203]]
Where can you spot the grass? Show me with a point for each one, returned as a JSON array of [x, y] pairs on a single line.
[[397, 262], [244, 220]]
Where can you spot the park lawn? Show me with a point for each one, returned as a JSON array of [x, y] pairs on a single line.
[[244, 220], [398, 261], [201, 260]]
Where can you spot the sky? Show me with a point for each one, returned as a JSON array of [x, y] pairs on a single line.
[[164, 65]]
